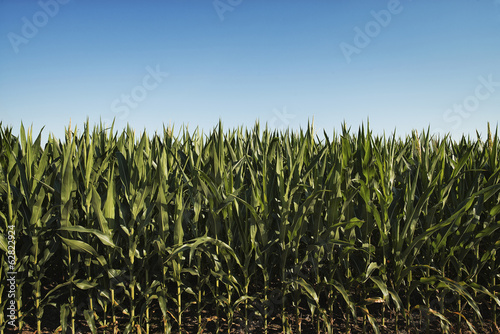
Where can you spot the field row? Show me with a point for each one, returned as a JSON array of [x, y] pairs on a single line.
[[248, 230]]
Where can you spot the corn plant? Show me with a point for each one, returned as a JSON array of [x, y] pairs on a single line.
[[245, 229]]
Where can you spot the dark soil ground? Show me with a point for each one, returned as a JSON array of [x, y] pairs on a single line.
[[256, 324]]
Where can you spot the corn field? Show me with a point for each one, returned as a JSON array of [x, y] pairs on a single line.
[[248, 231]]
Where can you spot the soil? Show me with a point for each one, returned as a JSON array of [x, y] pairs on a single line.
[[256, 324]]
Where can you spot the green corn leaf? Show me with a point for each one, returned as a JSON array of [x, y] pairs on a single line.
[[308, 289], [381, 285], [84, 284], [105, 239], [79, 246], [89, 317]]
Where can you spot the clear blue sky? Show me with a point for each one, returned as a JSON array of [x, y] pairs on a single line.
[[402, 64]]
